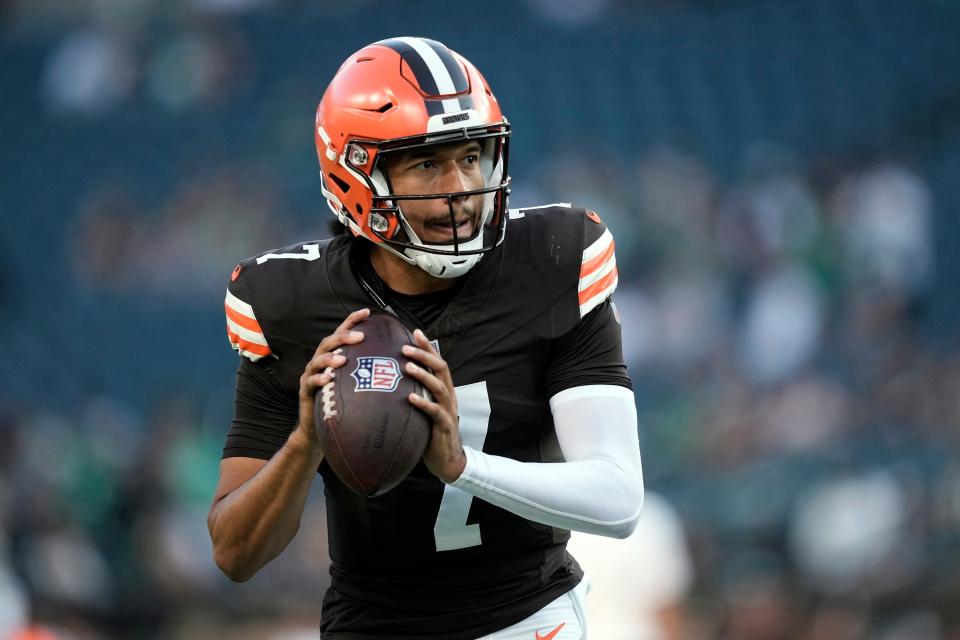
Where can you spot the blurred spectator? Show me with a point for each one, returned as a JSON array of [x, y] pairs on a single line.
[[196, 69], [884, 214], [90, 73], [14, 602], [759, 604], [675, 198], [64, 565], [637, 585], [849, 536], [914, 625], [805, 414], [107, 240], [781, 330], [182, 250]]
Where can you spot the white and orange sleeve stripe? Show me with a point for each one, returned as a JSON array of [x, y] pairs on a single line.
[[598, 273], [244, 331]]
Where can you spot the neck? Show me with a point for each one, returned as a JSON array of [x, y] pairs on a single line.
[[403, 277]]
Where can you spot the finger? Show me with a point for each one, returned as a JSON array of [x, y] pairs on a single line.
[[422, 341], [434, 385], [434, 362], [311, 384], [352, 319], [339, 339], [439, 365], [319, 380], [432, 409], [336, 340], [429, 359], [425, 353], [432, 365], [344, 334], [334, 359]]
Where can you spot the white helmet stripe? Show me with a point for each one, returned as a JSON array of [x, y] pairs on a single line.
[[438, 70]]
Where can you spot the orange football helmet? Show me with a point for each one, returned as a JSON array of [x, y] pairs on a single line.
[[397, 95]]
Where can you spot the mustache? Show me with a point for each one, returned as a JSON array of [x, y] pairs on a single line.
[[467, 211]]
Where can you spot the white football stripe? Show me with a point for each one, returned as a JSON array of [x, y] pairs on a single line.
[[599, 245], [239, 305], [323, 135], [599, 297], [331, 154], [604, 269], [438, 70], [543, 206], [253, 356], [248, 335]]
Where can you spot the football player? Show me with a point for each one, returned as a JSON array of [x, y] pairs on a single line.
[[534, 428]]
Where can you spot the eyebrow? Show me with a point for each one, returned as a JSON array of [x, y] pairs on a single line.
[[419, 154]]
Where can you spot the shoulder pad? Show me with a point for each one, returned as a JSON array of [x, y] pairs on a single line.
[[243, 330], [264, 287], [598, 264], [568, 250]]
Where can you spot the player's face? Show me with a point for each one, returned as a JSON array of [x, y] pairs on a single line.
[[439, 169]]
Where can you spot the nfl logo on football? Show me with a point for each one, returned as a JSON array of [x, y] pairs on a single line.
[[377, 373]]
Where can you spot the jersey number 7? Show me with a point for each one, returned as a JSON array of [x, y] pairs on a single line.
[[451, 530]]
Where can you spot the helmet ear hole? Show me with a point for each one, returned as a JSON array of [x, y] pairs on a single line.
[[359, 209]]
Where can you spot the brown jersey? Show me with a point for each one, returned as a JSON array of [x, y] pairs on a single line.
[[533, 318]]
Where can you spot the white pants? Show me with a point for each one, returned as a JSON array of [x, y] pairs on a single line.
[[563, 619]]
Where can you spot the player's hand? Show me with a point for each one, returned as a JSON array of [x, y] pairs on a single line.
[[444, 456], [315, 375]]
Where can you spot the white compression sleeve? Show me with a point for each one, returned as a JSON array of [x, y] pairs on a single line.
[[599, 487]]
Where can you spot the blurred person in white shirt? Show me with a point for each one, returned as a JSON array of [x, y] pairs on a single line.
[[637, 585]]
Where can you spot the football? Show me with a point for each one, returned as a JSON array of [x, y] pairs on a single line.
[[371, 436]]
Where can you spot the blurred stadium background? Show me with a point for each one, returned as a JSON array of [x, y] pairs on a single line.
[[782, 177]]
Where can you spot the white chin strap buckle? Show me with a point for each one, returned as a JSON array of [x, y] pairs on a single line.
[[444, 266]]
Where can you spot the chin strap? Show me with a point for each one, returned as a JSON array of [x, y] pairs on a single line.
[[445, 266]]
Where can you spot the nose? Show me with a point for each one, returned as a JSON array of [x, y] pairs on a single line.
[[454, 180]]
